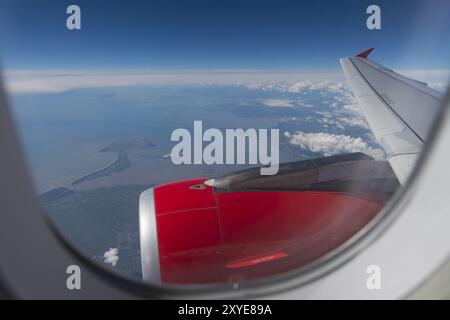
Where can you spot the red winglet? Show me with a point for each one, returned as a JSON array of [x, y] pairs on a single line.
[[365, 54]]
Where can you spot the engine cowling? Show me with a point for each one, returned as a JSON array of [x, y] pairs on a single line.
[[194, 233]]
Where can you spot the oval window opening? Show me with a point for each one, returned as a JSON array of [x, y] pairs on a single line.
[[221, 143]]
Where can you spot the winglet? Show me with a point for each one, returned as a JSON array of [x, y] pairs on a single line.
[[365, 54]]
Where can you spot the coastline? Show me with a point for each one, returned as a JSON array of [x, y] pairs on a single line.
[[119, 164]]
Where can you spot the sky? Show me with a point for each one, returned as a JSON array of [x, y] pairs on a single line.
[[230, 35]]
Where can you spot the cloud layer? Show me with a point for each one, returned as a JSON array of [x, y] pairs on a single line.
[[331, 144], [24, 82], [53, 81]]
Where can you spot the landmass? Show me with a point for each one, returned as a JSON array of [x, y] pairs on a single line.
[[99, 219], [121, 163]]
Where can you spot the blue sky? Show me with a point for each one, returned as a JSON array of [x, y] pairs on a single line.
[[197, 34]]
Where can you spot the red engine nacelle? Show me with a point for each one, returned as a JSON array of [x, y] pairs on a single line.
[[192, 233]]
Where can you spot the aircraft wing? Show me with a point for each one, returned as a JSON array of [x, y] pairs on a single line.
[[399, 110]]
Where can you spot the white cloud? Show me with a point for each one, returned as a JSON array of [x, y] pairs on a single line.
[[284, 103], [331, 144], [344, 112], [330, 86], [341, 119], [353, 109], [299, 86], [111, 256], [354, 122], [314, 83]]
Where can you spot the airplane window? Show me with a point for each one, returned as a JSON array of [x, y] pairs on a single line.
[[211, 142]]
